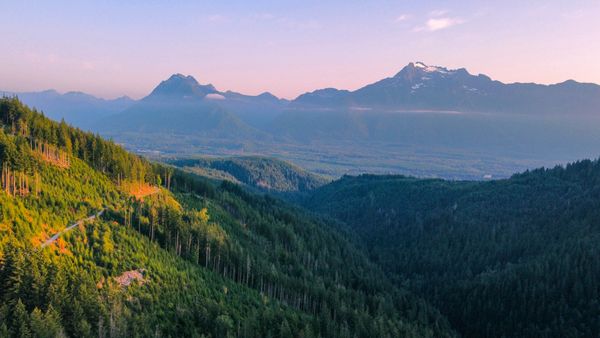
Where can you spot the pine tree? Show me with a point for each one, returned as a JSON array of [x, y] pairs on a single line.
[[20, 321], [12, 272], [53, 322], [38, 324]]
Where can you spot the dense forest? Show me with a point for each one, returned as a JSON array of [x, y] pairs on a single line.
[[98, 242], [162, 252], [263, 173], [508, 258]]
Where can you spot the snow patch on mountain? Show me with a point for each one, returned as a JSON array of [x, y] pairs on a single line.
[[433, 69], [214, 96]]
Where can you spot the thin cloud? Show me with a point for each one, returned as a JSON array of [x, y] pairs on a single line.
[[438, 20], [402, 17], [436, 24]]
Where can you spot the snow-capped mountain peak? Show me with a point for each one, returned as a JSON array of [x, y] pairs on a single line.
[[431, 69]]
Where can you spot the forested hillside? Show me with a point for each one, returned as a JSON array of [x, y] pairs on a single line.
[[267, 174], [508, 258], [170, 254]]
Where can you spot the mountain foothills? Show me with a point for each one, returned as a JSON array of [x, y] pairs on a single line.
[[425, 120], [416, 87], [76, 108], [161, 252], [263, 173], [509, 258]]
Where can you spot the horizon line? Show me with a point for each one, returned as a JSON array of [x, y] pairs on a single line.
[[134, 98]]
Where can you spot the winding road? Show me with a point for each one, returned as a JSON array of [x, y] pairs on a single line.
[[88, 219], [70, 227]]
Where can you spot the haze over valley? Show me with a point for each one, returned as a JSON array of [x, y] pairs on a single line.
[[426, 121]]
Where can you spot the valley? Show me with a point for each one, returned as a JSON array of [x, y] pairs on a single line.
[[498, 151], [441, 129], [300, 169], [348, 254], [512, 257]]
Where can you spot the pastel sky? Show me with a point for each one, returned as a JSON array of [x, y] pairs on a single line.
[[113, 48]]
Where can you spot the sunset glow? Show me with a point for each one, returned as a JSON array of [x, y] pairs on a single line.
[[287, 48]]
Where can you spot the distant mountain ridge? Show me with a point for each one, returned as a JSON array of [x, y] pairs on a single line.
[[421, 86], [417, 86], [181, 105], [77, 108]]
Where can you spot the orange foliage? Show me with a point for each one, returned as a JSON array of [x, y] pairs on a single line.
[[139, 190], [39, 239], [62, 247], [43, 236]]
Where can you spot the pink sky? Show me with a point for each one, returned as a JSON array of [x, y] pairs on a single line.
[[288, 48]]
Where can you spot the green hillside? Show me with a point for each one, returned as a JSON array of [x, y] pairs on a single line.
[[508, 258], [172, 255], [267, 174]]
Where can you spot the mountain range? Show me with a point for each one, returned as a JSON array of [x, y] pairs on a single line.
[[418, 87], [440, 110], [422, 87]]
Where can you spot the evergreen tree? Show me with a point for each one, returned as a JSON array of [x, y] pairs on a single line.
[[20, 321]]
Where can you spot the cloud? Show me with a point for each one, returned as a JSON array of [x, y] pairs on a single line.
[[438, 20], [214, 96], [402, 17], [436, 24]]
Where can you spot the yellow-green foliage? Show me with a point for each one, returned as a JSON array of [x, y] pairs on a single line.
[[217, 261], [66, 195]]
